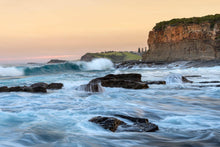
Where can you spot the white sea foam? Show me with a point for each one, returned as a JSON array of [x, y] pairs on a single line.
[[99, 64], [10, 71]]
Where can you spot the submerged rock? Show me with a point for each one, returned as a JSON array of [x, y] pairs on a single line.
[[114, 124]]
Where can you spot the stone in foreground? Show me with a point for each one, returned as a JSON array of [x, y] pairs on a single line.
[[114, 124]]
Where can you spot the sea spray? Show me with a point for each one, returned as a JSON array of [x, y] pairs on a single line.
[[10, 71], [99, 64]]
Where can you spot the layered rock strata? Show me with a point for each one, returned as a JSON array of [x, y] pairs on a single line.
[[184, 41]]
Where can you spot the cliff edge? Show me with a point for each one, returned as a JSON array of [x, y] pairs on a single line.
[[196, 38]]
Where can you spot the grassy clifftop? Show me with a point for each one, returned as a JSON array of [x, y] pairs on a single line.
[[212, 19], [112, 55]]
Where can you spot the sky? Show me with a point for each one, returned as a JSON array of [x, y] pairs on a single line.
[[38, 30]]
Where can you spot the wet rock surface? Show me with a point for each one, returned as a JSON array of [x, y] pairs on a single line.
[[129, 81], [35, 88], [114, 124]]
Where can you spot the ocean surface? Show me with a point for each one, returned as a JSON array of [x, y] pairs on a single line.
[[188, 115]]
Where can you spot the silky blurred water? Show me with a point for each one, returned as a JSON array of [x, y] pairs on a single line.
[[187, 115]]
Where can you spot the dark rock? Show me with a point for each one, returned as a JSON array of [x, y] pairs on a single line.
[[124, 84], [205, 82], [139, 127], [91, 87], [156, 82], [4, 89], [201, 86], [114, 124], [40, 84], [108, 123], [56, 61], [129, 81], [185, 80], [16, 89], [39, 87], [55, 86], [193, 76], [127, 77]]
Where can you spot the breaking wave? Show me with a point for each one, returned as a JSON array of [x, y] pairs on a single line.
[[96, 64], [10, 71]]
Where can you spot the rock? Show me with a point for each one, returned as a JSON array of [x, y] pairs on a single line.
[[129, 81], [91, 87], [55, 86], [128, 77], [156, 82], [39, 87], [108, 123], [185, 41], [56, 61], [124, 84], [4, 89], [114, 124], [16, 89], [185, 80], [205, 82]]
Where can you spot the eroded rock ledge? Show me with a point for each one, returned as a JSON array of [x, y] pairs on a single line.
[[34, 88], [129, 81]]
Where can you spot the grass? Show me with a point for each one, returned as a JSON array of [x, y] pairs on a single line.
[[212, 19], [116, 56]]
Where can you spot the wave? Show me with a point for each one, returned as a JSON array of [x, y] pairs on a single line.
[[10, 71], [96, 64]]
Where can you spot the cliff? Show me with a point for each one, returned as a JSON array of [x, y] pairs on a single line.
[[112, 55], [196, 38]]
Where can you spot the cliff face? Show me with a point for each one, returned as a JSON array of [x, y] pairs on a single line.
[[184, 42]]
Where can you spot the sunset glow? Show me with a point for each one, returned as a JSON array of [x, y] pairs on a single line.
[[35, 30]]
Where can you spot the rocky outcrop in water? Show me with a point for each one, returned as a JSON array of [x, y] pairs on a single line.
[[129, 81], [185, 39], [34, 88], [114, 124]]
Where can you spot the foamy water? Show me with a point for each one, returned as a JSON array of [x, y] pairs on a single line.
[[187, 115]]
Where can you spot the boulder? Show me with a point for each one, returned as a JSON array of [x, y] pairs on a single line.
[[114, 124], [55, 86]]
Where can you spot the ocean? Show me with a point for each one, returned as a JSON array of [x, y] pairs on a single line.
[[188, 114]]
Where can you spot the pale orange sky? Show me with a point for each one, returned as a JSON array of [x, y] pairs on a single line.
[[69, 28]]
